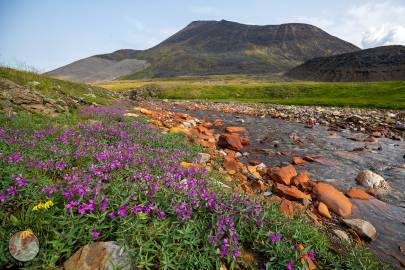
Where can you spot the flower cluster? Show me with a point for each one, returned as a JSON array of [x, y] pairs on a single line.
[[45, 205]]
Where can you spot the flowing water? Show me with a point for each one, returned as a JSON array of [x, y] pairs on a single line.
[[275, 141]]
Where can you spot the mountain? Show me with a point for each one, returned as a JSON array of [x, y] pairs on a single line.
[[385, 63], [214, 47]]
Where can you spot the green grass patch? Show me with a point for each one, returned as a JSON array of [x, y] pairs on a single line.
[[55, 88], [386, 95]]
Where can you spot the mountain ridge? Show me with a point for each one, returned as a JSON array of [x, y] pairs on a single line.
[[216, 47]]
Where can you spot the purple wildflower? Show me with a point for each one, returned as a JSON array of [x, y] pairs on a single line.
[[95, 234], [311, 254], [275, 238], [290, 265]]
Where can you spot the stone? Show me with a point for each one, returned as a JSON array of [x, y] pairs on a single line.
[[258, 185], [179, 130], [261, 166], [287, 207], [292, 192], [203, 157], [302, 179], [367, 178], [218, 123], [99, 255], [336, 201], [283, 174], [356, 193], [324, 211], [244, 140], [235, 129], [342, 235], [231, 141], [362, 227], [231, 164], [298, 161], [133, 115]]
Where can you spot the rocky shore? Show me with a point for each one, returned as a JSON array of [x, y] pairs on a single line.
[[376, 122]]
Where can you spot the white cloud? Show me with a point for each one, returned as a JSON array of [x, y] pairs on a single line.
[[368, 25]]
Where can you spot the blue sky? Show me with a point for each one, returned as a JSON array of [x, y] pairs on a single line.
[[47, 34]]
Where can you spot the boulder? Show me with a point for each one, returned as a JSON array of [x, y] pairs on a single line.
[[356, 193], [336, 201], [362, 227], [99, 255], [231, 141], [292, 192], [367, 178], [283, 174]]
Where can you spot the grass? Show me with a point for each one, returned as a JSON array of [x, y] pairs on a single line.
[[386, 95], [113, 165], [54, 88]]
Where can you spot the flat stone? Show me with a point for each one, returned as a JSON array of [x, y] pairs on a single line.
[[356, 193], [368, 178], [364, 228], [336, 201], [203, 157], [99, 255], [283, 174]]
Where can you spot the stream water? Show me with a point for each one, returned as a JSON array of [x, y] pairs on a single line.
[[275, 141]]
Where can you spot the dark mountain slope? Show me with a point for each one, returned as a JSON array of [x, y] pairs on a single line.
[[215, 47], [385, 63]]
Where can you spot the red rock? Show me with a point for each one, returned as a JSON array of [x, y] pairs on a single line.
[[254, 162], [298, 161], [292, 193], [235, 129], [301, 179], [230, 141], [356, 193], [311, 158], [283, 174], [336, 201]]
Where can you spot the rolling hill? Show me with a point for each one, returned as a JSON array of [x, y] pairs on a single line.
[[213, 47], [385, 63]]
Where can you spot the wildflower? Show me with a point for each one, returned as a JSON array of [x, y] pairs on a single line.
[[95, 234], [111, 215], [11, 191], [123, 211], [161, 214], [275, 238], [311, 254], [224, 249], [45, 205], [71, 204], [290, 265]]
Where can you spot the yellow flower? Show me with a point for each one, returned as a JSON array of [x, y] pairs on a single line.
[[45, 205]]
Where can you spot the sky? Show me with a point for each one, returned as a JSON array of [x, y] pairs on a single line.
[[46, 34]]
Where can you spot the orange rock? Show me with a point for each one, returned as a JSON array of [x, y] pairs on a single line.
[[335, 200], [207, 125], [283, 174], [287, 207], [252, 170], [218, 123], [179, 130], [356, 193], [298, 161], [240, 176], [230, 141], [258, 185], [230, 164], [323, 210], [202, 129], [292, 192], [145, 111], [235, 129], [210, 145], [301, 179], [245, 140]]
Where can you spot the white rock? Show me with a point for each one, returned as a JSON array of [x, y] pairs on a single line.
[[238, 154], [364, 228], [368, 178], [203, 157], [261, 166], [342, 235], [222, 152]]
